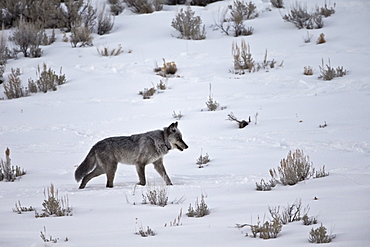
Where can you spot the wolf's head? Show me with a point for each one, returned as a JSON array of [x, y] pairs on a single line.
[[174, 137]]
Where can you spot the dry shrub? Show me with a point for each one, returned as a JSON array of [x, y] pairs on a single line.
[[321, 39], [295, 168], [308, 70], [81, 36], [189, 26], [13, 86]]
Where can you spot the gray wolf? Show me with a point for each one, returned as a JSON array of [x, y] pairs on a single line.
[[139, 150]]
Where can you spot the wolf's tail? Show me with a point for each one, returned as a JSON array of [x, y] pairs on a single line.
[[86, 166]]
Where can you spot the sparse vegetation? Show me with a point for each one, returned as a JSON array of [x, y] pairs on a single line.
[[13, 86], [321, 173], [308, 37], [307, 220], [81, 36], [288, 214], [148, 92], [201, 209], [156, 195], [168, 69], [277, 3], [212, 104], [241, 123], [176, 221], [50, 238], [321, 39], [269, 229], [28, 37], [308, 70], [320, 235], [8, 172], [244, 62], [231, 20], [263, 186], [54, 205], [295, 168], [189, 26], [107, 52], [202, 160], [19, 209], [47, 80], [301, 18], [327, 73], [105, 22], [144, 6], [116, 6], [177, 116]]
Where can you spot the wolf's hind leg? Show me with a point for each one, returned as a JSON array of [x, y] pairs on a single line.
[[96, 172], [111, 172], [159, 167], [140, 168]]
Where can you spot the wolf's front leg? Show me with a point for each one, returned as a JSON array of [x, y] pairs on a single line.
[[159, 167], [140, 168]]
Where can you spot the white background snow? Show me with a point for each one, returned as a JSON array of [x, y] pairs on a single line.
[[50, 134]]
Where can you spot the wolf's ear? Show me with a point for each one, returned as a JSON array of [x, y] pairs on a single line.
[[171, 128], [176, 123]]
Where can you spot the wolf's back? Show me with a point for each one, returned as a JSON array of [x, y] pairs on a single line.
[[86, 166]]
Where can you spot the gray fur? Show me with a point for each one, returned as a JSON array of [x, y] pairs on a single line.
[[138, 150]]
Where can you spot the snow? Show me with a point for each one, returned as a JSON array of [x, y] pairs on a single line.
[[50, 134]]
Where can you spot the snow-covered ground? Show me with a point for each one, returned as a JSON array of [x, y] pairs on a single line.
[[50, 134]]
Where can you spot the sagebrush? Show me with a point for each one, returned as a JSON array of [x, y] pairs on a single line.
[[201, 208], [47, 80], [8, 172], [320, 235], [189, 26], [294, 168], [54, 205]]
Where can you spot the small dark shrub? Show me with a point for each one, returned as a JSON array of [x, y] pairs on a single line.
[[28, 37], [277, 3], [47, 80], [290, 213], [168, 69], [156, 195], [232, 18], [295, 168], [201, 209], [212, 104], [8, 172], [116, 6], [189, 26], [327, 73], [202, 160], [49, 239], [308, 70], [145, 233], [19, 209], [270, 229], [53, 205], [301, 18], [106, 52], [13, 86], [321, 39], [307, 220], [241, 123], [4, 51], [104, 22], [263, 186], [144, 6], [319, 235], [81, 36]]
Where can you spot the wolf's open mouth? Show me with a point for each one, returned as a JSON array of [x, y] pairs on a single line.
[[179, 148]]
